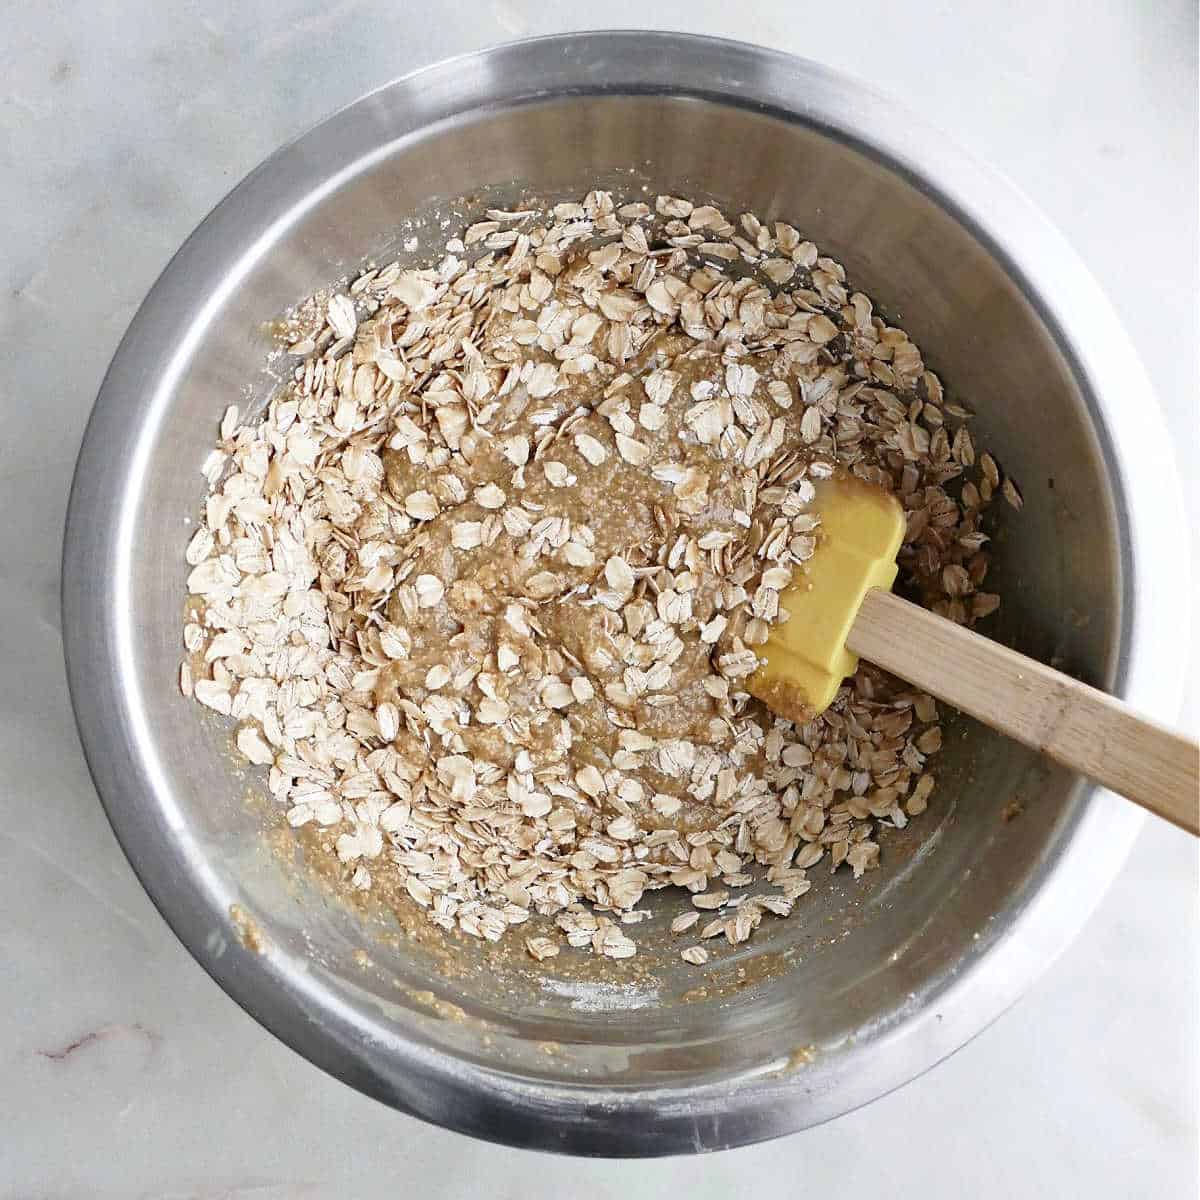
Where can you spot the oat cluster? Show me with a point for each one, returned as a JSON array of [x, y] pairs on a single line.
[[483, 586]]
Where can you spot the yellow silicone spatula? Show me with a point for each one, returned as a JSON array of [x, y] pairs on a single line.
[[841, 608]]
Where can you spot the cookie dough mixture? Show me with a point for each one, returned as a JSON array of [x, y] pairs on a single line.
[[484, 585]]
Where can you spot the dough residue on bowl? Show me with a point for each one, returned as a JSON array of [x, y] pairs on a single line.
[[483, 586]]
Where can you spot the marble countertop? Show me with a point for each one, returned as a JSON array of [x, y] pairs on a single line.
[[124, 1070]]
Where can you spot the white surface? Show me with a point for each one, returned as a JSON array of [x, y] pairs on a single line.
[[120, 125]]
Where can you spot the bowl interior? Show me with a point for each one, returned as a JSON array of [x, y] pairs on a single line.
[[855, 957]]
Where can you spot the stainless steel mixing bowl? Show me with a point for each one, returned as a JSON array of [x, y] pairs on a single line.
[[867, 985]]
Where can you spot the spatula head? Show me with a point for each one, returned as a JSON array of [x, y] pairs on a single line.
[[806, 658]]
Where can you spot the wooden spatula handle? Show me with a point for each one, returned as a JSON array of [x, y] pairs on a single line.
[[1074, 724]]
